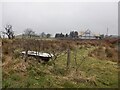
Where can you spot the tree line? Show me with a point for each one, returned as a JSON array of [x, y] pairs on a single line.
[[72, 34], [28, 32]]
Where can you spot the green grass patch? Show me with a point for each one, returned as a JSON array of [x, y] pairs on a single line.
[[88, 73]]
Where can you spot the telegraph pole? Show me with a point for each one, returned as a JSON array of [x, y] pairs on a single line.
[[107, 32]]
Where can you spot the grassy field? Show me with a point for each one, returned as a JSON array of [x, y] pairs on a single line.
[[86, 72]]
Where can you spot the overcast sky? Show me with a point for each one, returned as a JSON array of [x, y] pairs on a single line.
[[57, 17]]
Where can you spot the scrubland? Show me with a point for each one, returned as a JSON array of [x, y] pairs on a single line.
[[93, 64]]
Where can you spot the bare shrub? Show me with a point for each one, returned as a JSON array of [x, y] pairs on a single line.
[[7, 47]]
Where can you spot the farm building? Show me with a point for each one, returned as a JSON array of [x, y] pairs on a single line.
[[88, 35]]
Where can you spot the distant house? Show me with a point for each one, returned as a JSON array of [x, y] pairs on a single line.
[[113, 36], [88, 35]]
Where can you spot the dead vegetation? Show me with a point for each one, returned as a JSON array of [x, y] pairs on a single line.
[[108, 53], [83, 70]]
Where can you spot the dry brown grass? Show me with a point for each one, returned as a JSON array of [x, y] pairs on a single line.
[[105, 53], [16, 72], [107, 48]]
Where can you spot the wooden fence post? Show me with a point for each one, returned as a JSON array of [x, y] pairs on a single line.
[[26, 55], [68, 57], [75, 57]]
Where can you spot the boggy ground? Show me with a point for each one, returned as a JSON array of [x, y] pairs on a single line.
[[90, 64]]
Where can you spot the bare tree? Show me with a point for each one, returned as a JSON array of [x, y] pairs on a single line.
[[29, 32], [9, 32]]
